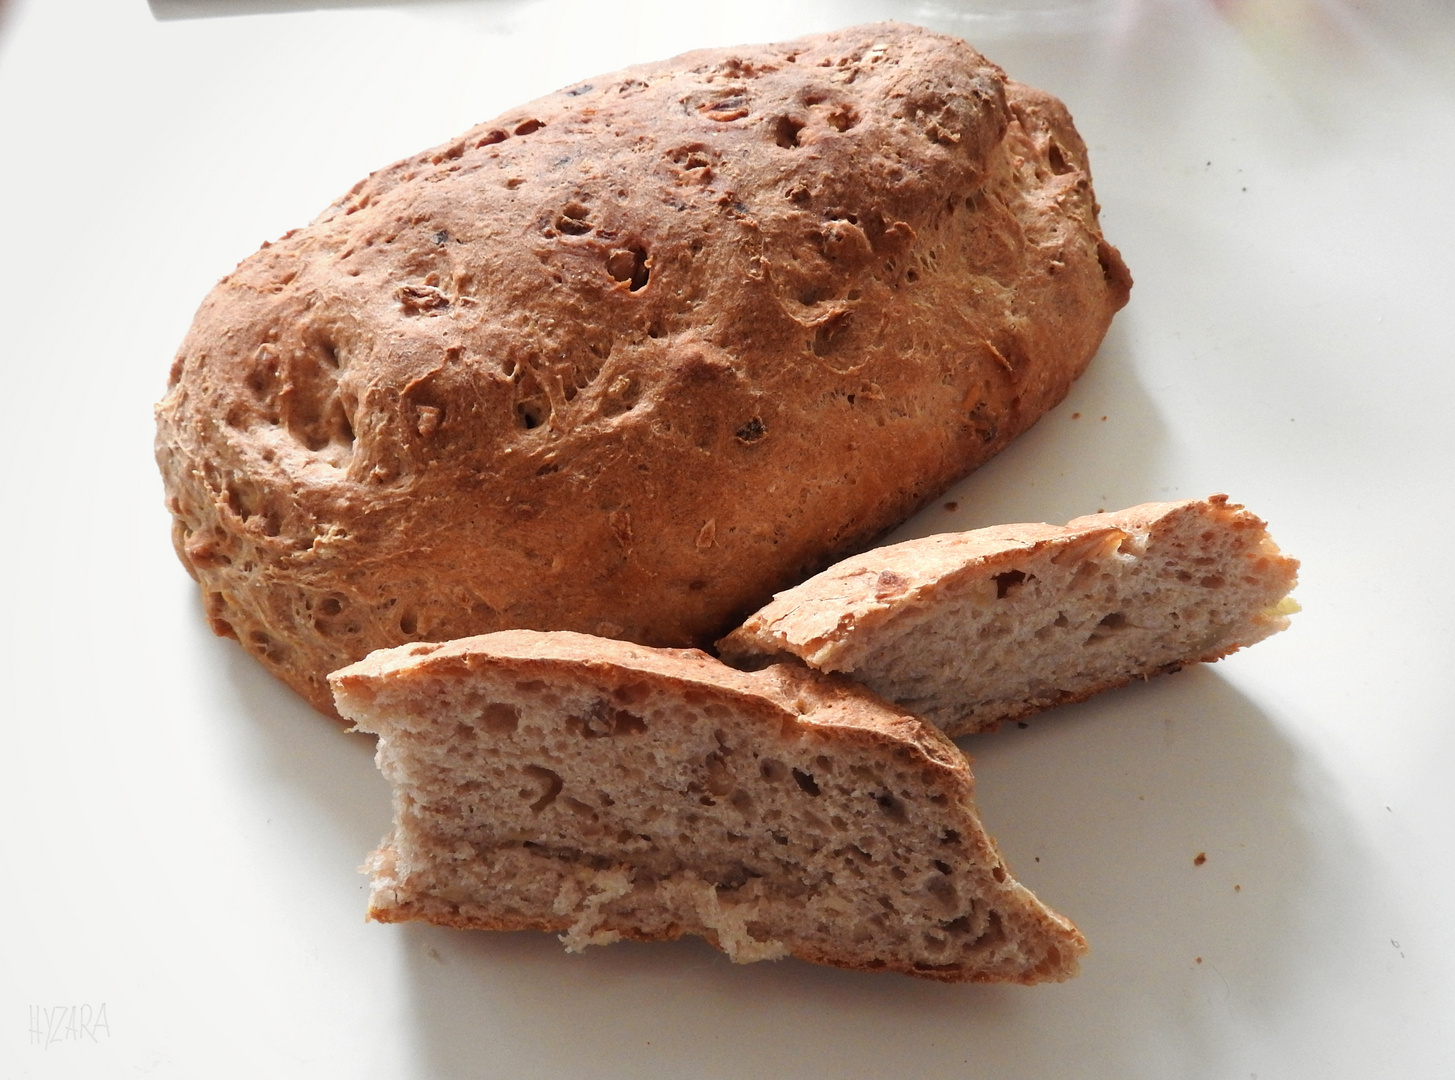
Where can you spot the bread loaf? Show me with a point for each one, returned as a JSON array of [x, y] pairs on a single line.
[[605, 790], [631, 357], [971, 629]]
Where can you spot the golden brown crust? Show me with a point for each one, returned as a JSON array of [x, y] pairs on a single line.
[[784, 693], [631, 357], [1060, 962]]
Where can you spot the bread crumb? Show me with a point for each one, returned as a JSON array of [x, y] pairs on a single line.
[[518, 703]]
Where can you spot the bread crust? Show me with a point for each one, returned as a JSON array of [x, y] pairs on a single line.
[[524, 872], [841, 619], [631, 357]]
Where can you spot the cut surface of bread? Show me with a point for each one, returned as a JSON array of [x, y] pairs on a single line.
[[602, 790], [971, 629]]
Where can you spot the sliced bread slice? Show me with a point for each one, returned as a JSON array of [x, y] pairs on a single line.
[[972, 629], [603, 790]]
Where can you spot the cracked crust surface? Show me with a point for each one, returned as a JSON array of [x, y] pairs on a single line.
[[604, 790], [631, 357]]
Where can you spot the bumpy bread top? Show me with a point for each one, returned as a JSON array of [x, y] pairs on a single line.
[[631, 357]]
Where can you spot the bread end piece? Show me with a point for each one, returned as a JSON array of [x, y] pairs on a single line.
[[971, 629], [602, 791]]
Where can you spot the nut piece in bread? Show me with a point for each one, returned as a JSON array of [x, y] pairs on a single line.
[[630, 358], [971, 629], [605, 790]]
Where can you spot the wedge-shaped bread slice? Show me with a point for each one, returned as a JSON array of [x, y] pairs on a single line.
[[606, 790], [971, 629]]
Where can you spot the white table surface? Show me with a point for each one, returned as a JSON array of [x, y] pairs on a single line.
[[181, 834]]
